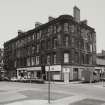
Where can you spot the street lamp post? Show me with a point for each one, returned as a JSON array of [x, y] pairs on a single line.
[[49, 85]]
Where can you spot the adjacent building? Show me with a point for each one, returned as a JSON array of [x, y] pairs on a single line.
[[100, 64], [2, 71], [65, 45]]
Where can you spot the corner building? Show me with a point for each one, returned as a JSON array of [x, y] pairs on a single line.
[[65, 45]]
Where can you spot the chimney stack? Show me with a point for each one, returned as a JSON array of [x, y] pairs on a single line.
[[20, 32], [84, 22], [76, 13], [37, 24], [50, 18]]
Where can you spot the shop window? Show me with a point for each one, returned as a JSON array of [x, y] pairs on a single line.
[[38, 74], [75, 70], [66, 57]]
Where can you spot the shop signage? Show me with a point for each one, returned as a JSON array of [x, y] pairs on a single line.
[[33, 68], [53, 68], [21, 68], [66, 69], [30, 68], [99, 68]]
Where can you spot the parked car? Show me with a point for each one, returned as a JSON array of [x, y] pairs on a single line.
[[14, 79], [4, 79]]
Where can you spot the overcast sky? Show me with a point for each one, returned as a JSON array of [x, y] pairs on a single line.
[[22, 14]]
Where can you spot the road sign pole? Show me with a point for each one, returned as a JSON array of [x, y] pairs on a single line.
[[49, 85]]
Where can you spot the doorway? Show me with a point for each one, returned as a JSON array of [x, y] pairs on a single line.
[[75, 74]]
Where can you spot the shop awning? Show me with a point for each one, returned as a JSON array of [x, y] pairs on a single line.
[[30, 68]]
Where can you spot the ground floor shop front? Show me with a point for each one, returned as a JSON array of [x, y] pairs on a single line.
[[100, 72], [57, 73], [69, 73], [29, 73]]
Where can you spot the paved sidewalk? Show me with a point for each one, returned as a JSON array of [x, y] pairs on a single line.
[[72, 82], [64, 101], [74, 100], [75, 94]]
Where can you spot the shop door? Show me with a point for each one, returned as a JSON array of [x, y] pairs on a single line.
[[66, 77], [75, 74]]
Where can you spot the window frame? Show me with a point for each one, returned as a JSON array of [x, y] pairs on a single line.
[[66, 57]]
